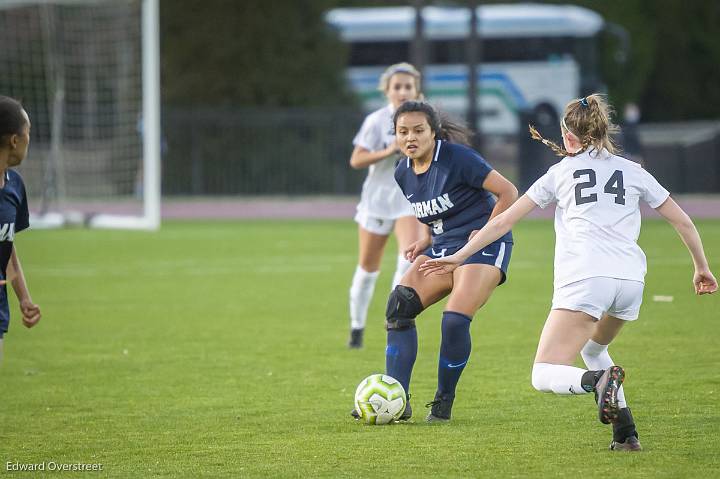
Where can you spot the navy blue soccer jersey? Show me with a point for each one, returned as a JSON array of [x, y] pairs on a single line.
[[449, 196], [14, 217]]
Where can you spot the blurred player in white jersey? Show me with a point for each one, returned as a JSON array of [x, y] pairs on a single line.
[[382, 208], [599, 267]]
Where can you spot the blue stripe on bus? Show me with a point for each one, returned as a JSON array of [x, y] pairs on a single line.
[[510, 87]]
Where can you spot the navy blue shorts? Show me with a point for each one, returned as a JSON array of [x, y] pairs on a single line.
[[4, 311], [495, 254]]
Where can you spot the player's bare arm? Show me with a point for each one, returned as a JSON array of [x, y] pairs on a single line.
[[414, 250], [494, 229], [504, 191], [362, 158], [30, 311], [703, 279]]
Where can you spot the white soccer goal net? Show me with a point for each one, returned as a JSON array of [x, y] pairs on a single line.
[[87, 72]]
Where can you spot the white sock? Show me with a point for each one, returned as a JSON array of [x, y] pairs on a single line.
[[557, 378], [361, 292], [596, 357], [402, 266]]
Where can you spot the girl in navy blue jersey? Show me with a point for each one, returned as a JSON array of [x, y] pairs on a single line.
[[451, 188], [14, 216]]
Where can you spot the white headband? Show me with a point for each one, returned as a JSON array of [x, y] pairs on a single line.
[[564, 125]]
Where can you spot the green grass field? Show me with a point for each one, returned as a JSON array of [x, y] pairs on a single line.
[[219, 349]]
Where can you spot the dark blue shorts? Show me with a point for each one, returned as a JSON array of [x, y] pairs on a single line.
[[495, 254], [4, 312]]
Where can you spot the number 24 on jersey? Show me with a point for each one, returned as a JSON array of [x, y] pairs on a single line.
[[614, 186]]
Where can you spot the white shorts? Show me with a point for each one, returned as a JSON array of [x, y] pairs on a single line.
[[373, 224], [596, 296]]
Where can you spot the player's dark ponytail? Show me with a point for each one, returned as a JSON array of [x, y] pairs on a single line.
[[444, 128], [453, 131], [11, 117]]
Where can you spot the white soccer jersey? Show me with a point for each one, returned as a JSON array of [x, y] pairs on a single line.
[[381, 196], [597, 218]]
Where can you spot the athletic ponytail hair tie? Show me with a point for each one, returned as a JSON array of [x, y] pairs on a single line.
[[584, 102]]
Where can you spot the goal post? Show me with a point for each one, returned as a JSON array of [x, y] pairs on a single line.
[[88, 72], [151, 147]]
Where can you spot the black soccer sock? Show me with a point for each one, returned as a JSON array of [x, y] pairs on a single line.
[[590, 379], [624, 427], [454, 350]]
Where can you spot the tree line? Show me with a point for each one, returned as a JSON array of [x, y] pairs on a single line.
[[280, 53]]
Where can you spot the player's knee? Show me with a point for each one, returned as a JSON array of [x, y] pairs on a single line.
[[402, 308], [540, 378]]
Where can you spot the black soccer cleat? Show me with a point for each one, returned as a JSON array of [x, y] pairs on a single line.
[[407, 413], [630, 444], [440, 408], [607, 390], [356, 338], [625, 435]]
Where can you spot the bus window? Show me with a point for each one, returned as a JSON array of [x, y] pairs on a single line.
[[526, 49], [444, 52], [498, 50], [378, 53]]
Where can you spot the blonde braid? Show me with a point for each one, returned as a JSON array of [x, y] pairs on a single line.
[[559, 151]]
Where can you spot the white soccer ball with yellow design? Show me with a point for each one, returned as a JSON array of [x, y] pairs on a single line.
[[379, 399]]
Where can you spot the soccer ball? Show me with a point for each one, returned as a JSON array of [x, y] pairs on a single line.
[[379, 399]]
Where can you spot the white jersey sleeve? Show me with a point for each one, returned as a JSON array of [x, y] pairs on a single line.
[[381, 196], [653, 193], [542, 192], [369, 135]]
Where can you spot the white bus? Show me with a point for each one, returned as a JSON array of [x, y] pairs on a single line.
[[534, 57]]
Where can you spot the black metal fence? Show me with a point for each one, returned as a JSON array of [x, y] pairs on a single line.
[[259, 152], [684, 157], [306, 152]]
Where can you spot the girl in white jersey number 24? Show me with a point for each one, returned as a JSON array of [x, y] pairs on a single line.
[[382, 207], [599, 267]]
